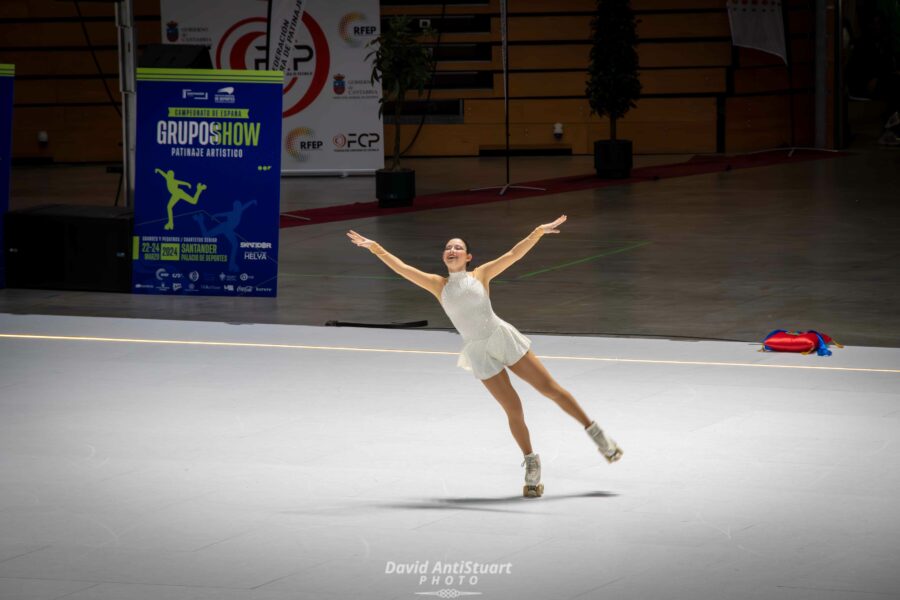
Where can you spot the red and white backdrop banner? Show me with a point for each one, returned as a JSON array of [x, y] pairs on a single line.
[[758, 24], [330, 107]]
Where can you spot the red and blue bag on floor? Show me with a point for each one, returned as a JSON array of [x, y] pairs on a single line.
[[804, 342]]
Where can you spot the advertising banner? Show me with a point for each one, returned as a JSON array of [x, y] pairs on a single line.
[[284, 18], [330, 107], [7, 72], [207, 184]]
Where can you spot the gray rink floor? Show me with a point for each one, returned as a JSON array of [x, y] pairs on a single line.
[[302, 464]]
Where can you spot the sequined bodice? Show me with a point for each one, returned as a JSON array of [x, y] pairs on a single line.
[[468, 305]]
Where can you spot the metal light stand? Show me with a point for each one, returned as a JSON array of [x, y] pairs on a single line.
[[505, 60], [127, 63]]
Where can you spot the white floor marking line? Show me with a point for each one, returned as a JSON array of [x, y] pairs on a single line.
[[68, 338]]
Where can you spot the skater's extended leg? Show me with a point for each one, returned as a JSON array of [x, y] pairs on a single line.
[[502, 390], [530, 368]]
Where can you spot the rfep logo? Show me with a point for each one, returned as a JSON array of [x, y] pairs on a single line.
[[353, 29], [243, 47], [300, 141]]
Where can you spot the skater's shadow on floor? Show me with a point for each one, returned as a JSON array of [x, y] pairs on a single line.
[[486, 504]]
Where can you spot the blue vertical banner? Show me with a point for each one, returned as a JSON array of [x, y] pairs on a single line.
[[207, 182], [7, 73]]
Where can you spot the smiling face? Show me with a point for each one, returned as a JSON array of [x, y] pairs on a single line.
[[456, 255]]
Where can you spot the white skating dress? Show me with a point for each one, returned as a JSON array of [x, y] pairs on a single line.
[[490, 342]]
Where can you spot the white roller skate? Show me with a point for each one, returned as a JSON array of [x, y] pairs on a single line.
[[533, 487], [608, 448]]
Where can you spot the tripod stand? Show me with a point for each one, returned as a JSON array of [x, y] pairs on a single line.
[[505, 60]]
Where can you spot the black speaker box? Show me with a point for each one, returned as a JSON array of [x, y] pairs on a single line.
[[61, 247], [175, 56]]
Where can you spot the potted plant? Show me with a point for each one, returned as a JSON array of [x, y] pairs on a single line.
[[613, 84], [401, 64]]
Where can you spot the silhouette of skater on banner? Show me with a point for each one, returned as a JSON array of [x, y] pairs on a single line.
[[226, 228], [178, 194]]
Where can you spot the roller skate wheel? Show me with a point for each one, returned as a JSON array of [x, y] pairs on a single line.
[[614, 455], [533, 491]]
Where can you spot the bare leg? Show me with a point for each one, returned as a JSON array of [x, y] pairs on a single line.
[[502, 390], [533, 371]]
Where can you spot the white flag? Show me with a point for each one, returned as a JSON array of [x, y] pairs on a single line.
[[758, 24], [284, 17]]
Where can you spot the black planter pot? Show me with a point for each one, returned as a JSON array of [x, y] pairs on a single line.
[[395, 188], [612, 159]]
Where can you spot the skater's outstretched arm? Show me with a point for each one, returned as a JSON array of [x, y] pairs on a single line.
[[428, 281], [491, 269]]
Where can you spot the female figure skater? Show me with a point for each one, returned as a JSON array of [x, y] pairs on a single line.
[[492, 344]]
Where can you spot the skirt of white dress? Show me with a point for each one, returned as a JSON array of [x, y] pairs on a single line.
[[488, 356]]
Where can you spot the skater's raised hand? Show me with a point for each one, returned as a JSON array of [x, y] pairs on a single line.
[[552, 227], [492, 268], [359, 240], [428, 281]]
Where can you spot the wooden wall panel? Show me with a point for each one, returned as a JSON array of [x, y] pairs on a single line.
[[666, 81], [571, 111], [517, 7], [686, 60], [757, 122], [54, 9], [494, 64], [667, 26], [640, 5], [457, 94], [661, 137], [60, 62], [671, 137], [577, 56], [801, 52], [526, 111], [588, 6], [686, 25], [69, 33], [65, 91], [81, 134], [546, 57], [57, 87], [446, 140], [474, 38], [436, 9], [685, 54], [772, 79], [684, 81]]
